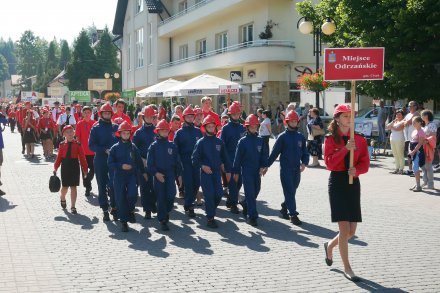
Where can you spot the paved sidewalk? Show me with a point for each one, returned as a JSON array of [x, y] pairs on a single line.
[[46, 249]]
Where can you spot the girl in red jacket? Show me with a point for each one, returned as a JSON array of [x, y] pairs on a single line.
[[47, 129], [345, 198], [29, 133], [70, 156]]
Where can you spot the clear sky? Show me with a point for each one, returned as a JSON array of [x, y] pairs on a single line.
[[63, 19]]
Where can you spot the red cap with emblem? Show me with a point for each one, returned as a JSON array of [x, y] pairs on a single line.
[[252, 120], [67, 127], [188, 111], [342, 108], [125, 126], [208, 120], [162, 125], [106, 108], [234, 108], [291, 115], [149, 112]]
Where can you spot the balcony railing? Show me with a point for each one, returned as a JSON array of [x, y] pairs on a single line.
[[183, 12], [253, 44]]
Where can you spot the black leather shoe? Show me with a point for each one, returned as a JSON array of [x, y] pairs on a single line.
[[244, 207], [295, 220], [284, 213], [352, 277], [106, 217], [87, 193], [212, 224], [328, 261], [190, 212], [124, 227], [147, 216], [164, 226], [234, 209], [2, 192], [132, 218], [252, 222]]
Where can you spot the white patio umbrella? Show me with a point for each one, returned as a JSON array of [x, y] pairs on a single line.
[[158, 89], [202, 85]]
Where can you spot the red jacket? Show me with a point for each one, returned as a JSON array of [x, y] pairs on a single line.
[[334, 155], [48, 123], [123, 116], [162, 114], [77, 153], [11, 114], [31, 124], [78, 116], [82, 133]]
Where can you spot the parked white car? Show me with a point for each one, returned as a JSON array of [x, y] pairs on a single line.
[[369, 115]]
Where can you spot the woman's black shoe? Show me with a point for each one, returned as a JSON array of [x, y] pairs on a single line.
[[328, 261], [164, 226], [352, 277], [132, 218], [2, 192], [252, 222], [212, 224], [106, 217], [124, 227]]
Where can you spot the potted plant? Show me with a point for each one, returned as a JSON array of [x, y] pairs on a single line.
[[313, 82]]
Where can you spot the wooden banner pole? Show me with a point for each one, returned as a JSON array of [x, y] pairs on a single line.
[[353, 105]]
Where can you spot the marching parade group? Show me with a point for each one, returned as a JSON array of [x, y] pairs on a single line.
[[195, 148]]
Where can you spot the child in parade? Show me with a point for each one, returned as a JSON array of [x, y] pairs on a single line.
[[70, 156], [30, 129], [175, 125], [251, 163], [294, 158], [164, 163], [345, 202], [185, 140], [211, 157], [125, 162], [82, 133], [416, 150], [232, 132], [47, 129], [143, 138], [102, 138]]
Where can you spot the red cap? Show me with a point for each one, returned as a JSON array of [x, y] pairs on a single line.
[[292, 115], [162, 125], [106, 108], [67, 127], [149, 111], [118, 120], [252, 120], [188, 111], [342, 108], [234, 108], [198, 111], [208, 120], [124, 126]]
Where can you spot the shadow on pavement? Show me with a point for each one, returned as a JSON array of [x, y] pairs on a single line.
[[78, 219], [312, 229], [5, 205], [371, 286], [139, 240], [92, 199]]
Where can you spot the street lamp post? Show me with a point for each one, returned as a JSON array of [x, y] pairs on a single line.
[[305, 26], [107, 76]]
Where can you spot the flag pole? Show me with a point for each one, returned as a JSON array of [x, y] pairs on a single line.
[[353, 104]]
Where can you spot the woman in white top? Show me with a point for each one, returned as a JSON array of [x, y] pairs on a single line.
[[397, 140], [265, 128], [431, 131]]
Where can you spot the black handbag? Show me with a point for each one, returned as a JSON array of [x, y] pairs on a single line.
[[54, 183]]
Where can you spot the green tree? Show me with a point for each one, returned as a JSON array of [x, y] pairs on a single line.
[[65, 55], [7, 50], [50, 70], [409, 31], [106, 58], [4, 68], [31, 51], [83, 63]]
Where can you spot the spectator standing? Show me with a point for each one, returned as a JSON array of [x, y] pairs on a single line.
[[397, 141]]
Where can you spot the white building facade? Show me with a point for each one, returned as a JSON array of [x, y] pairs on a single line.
[[218, 37]]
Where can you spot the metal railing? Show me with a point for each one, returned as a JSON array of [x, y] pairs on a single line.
[[184, 12], [253, 44]]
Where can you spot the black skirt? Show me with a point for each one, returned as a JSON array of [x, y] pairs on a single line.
[[29, 136], [47, 135], [70, 172], [345, 198]]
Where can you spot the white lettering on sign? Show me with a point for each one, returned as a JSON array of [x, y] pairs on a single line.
[[355, 66], [355, 58]]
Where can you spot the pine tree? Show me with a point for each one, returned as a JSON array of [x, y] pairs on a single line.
[[106, 58], [7, 50], [82, 66], [65, 55], [4, 68]]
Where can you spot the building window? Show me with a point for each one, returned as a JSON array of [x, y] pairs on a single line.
[[247, 33], [129, 52], [140, 47], [150, 41], [139, 6], [183, 5], [221, 41], [183, 52], [201, 48]]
